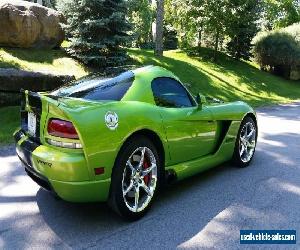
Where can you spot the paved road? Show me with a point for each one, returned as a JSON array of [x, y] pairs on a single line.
[[205, 211]]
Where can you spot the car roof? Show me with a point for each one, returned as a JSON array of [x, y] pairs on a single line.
[[155, 71], [115, 72], [141, 88]]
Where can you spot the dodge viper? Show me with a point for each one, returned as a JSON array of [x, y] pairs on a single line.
[[121, 138]]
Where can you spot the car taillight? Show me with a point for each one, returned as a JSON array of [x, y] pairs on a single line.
[[61, 128]]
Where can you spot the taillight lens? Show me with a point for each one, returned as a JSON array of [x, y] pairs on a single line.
[[61, 128]]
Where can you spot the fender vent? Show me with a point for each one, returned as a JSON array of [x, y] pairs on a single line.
[[224, 129]]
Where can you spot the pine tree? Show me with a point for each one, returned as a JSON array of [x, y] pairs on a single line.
[[97, 30]]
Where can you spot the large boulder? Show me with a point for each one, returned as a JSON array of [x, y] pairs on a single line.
[[29, 25]]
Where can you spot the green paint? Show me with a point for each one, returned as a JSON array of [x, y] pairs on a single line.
[[190, 137]]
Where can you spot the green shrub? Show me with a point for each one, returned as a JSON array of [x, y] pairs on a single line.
[[294, 31], [279, 48]]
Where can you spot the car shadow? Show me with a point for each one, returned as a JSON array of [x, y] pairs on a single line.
[[180, 212], [96, 222]]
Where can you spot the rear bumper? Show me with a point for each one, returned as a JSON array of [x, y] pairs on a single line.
[[36, 177], [63, 173]]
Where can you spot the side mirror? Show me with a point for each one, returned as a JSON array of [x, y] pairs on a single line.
[[201, 99]]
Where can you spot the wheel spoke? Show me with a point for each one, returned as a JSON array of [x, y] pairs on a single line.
[[243, 141], [251, 145], [131, 167], [136, 198], [246, 130], [130, 186], [242, 150], [250, 134], [142, 158], [148, 170], [146, 188]]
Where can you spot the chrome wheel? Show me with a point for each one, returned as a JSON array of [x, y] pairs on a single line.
[[139, 179], [247, 142]]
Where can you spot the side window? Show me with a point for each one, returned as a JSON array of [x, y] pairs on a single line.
[[170, 93]]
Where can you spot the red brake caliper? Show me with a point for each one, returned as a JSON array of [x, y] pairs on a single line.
[[146, 177]]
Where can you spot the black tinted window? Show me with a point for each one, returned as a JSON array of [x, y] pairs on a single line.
[[98, 89], [170, 93]]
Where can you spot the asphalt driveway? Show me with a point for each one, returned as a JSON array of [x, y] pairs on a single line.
[[205, 211]]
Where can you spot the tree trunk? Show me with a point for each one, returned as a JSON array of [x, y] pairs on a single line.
[[216, 44], [199, 38], [159, 28]]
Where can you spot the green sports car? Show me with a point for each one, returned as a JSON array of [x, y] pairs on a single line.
[[121, 138]]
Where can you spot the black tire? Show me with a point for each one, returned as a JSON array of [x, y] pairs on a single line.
[[237, 158], [116, 199]]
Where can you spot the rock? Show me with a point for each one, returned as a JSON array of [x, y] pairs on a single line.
[[15, 79], [29, 25], [12, 80]]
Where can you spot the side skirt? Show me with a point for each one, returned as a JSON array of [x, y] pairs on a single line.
[[223, 154]]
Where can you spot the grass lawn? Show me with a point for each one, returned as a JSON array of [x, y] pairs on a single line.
[[50, 61], [228, 79], [10, 121]]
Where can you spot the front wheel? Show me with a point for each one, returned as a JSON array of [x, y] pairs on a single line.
[[245, 143], [135, 178]]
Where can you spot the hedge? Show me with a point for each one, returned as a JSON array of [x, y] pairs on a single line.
[[279, 50]]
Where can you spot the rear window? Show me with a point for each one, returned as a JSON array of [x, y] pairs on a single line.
[[96, 88]]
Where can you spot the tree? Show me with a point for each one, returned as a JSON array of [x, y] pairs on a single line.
[[159, 28], [280, 13], [188, 17], [241, 27], [97, 30], [194, 17], [170, 40], [198, 15], [217, 11], [140, 15]]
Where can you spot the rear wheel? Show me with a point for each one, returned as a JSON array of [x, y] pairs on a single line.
[[135, 178], [245, 142]]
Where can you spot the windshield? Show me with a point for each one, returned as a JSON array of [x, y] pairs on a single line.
[[97, 88]]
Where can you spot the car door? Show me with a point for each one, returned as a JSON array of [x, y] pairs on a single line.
[[190, 129]]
